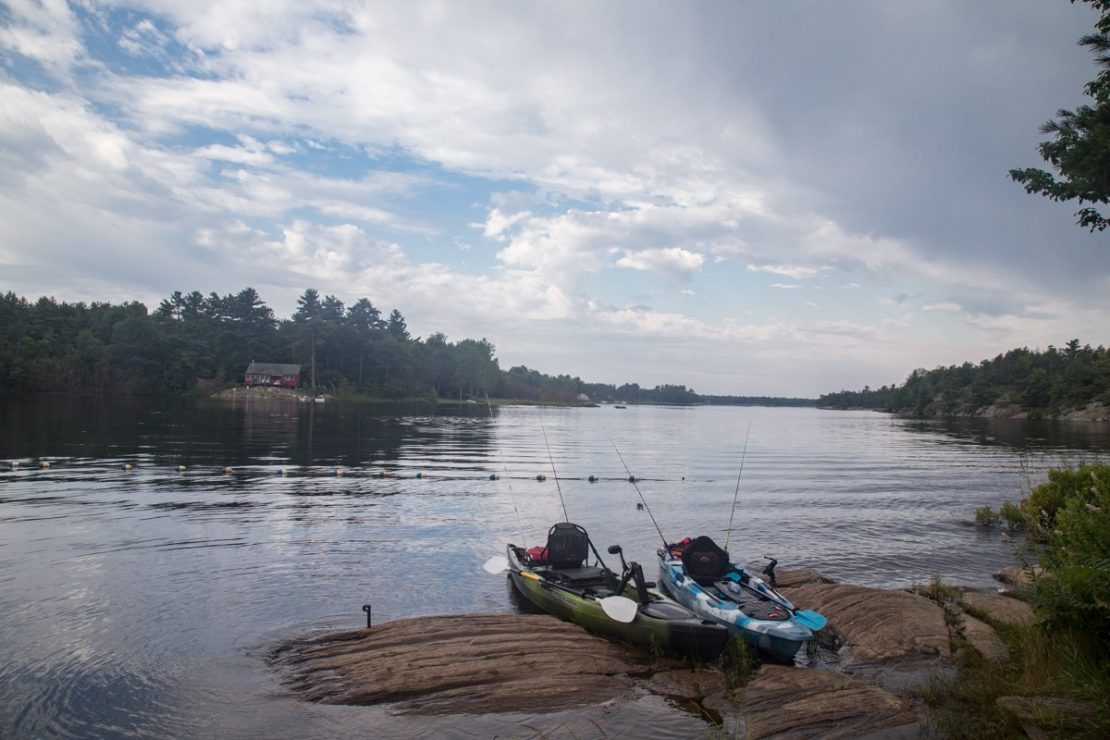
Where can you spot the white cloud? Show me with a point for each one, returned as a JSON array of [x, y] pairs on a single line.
[[43, 30], [791, 271], [143, 39], [945, 307], [238, 155], [497, 223], [674, 261], [297, 131]]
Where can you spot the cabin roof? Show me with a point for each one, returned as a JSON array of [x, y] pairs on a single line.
[[273, 368]]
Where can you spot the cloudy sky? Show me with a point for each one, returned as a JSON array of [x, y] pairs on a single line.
[[743, 197]]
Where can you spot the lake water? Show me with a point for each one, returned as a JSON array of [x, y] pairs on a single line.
[[145, 602]]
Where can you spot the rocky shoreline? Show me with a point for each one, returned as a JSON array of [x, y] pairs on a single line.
[[880, 649]]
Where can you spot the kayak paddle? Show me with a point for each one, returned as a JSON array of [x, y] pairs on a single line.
[[811, 619], [495, 565], [619, 608]]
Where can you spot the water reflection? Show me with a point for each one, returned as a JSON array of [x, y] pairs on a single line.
[[141, 600], [1037, 435]]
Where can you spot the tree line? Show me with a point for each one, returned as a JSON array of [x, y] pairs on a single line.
[[192, 340], [1040, 382], [99, 347]]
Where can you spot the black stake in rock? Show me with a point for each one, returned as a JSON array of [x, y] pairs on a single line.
[[366, 608]]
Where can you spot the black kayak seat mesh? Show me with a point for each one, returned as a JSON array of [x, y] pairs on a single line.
[[568, 545], [704, 560]]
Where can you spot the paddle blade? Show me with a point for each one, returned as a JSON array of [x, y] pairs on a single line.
[[811, 619], [496, 564], [619, 608]]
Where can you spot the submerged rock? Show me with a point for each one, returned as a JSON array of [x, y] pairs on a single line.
[[791, 578], [791, 702], [1019, 577]]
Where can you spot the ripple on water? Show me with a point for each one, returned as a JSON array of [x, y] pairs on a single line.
[[140, 602]]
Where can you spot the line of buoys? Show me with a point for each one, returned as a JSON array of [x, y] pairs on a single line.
[[361, 473]]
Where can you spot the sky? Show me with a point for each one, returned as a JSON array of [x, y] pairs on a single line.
[[745, 198]]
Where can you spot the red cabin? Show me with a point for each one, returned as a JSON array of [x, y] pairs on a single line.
[[273, 373]]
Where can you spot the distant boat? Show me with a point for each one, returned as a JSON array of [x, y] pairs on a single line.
[[620, 407], [319, 399]]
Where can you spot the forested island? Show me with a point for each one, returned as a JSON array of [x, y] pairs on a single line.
[[1019, 383], [193, 341]]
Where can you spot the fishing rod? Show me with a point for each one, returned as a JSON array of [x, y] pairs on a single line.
[[632, 480], [736, 493], [554, 474], [512, 496]]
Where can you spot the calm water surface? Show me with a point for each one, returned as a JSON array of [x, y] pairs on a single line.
[[145, 602]]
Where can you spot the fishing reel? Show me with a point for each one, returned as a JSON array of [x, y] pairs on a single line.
[[631, 571], [769, 571]]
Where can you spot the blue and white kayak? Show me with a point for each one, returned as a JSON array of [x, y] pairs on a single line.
[[698, 575]]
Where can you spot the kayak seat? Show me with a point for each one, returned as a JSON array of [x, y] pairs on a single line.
[[705, 561], [568, 545]]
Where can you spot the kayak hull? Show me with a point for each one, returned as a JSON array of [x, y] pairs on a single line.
[[780, 637], [661, 625]]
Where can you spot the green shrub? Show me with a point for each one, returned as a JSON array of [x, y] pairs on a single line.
[[1063, 485], [985, 516], [1075, 550], [1012, 515], [738, 661]]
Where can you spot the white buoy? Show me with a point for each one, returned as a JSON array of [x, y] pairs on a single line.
[[45, 465], [127, 467], [229, 470], [181, 468], [338, 472]]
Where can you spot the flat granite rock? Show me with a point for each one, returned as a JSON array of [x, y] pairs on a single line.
[[472, 664], [877, 624], [1000, 609], [789, 702], [983, 638]]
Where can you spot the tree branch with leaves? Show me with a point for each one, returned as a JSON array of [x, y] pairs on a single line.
[[1080, 149]]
